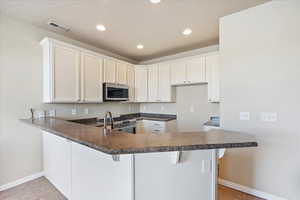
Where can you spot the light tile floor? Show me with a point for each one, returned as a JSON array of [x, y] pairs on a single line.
[[42, 189]]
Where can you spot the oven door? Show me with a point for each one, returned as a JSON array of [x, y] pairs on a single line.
[[115, 92]]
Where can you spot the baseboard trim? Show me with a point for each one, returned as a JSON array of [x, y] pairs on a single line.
[[248, 190], [21, 181]]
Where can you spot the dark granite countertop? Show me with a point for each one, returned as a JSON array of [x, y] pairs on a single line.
[[94, 121], [114, 142]]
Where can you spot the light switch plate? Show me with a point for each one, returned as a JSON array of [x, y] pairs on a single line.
[[245, 116]]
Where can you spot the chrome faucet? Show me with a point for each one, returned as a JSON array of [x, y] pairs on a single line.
[[111, 120]]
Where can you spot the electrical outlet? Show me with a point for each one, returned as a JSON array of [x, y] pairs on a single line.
[[268, 116], [162, 108], [192, 109], [244, 116], [52, 113], [86, 111], [144, 108], [74, 111]]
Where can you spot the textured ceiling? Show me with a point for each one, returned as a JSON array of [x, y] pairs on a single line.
[[129, 22]]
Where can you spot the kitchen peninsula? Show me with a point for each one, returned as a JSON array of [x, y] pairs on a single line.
[[114, 165]]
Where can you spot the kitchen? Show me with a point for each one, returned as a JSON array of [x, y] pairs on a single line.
[[171, 96]]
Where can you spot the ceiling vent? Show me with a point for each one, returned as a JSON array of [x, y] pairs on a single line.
[[58, 26]]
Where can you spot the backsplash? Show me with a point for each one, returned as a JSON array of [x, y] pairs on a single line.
[[191, 107]]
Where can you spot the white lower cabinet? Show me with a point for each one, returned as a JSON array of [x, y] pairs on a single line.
[[156, 177], [57, 162], [96, 176], [82, 173], [154, 126]]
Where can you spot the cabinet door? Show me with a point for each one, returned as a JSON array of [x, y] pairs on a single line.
[[96, 176], [91, 73], [65, 80], [153, 83], [57, 162], [164, 83], [213, 77], [196, 70], [109, 71], [178, 73], [131, 82], [156, 177], [121, 73], [141, 83]]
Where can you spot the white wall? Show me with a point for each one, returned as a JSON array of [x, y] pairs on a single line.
[[186, 97], [21, 89], [260, 53]]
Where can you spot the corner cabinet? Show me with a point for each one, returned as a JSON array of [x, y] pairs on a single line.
[[166, 93], [213, 77], [141, 83], [153, 83], [131, 82]]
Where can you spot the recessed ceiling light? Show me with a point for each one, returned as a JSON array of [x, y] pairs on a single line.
[[187, 31], [100, 27], [140, 46], [155, 1]]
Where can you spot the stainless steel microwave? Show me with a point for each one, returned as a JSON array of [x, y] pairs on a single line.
[[115, 92]]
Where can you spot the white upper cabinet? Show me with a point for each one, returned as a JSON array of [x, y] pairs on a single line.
[[75, 75], [178, 73], [213, 77], [121, 73], [188, 71], [131, 82], [195, 70], [153, 83], [61, 73], [165, 91], [141, 83], [91, 76], [110, 67]]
